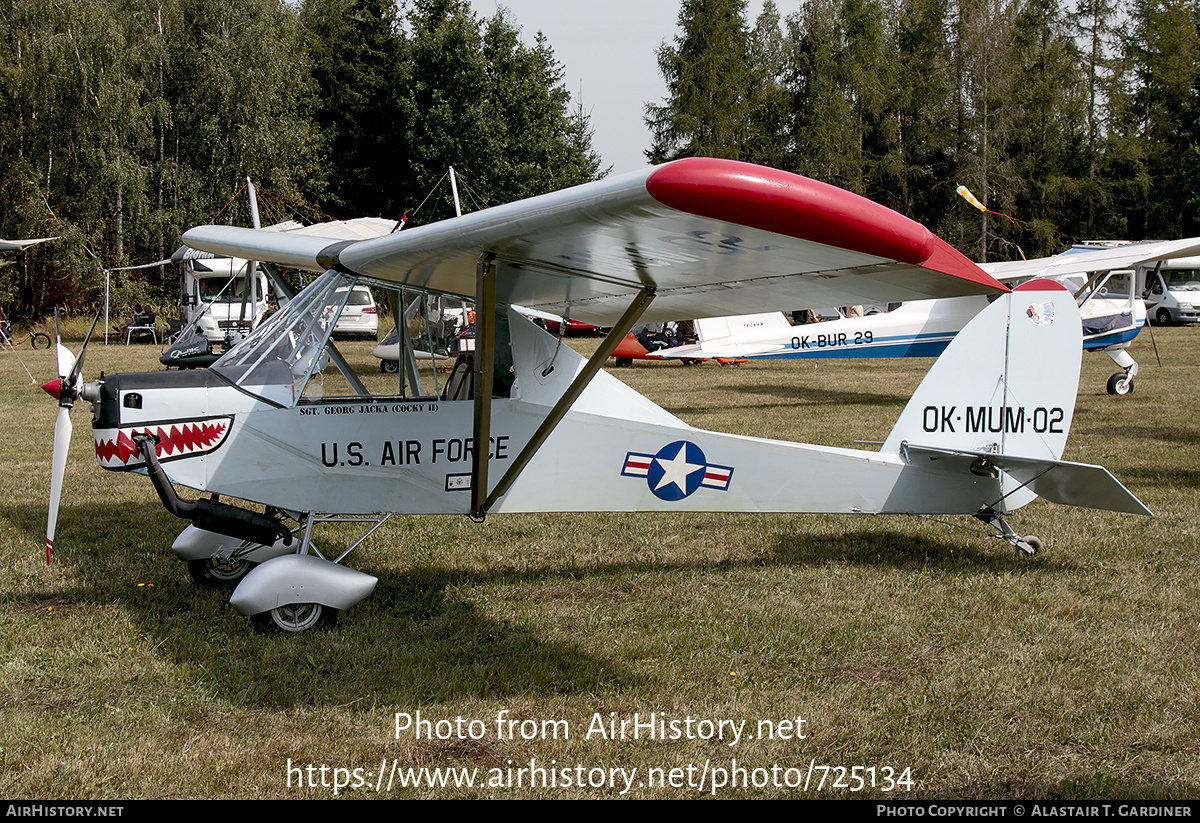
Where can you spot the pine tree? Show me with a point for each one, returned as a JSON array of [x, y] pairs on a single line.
[[1094, 25], [769, 141], [1163, 49], [824, 122], [491, 106], [357, 51], [920, 165], [1047, 130], [708, 77]]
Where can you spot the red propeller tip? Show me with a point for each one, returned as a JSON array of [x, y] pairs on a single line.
[[53, 388]]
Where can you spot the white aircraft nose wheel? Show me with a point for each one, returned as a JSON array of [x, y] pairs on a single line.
[[211, 573], [296, 617], [1120, 384]]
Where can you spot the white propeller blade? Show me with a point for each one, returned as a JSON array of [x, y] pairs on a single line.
[[66, 361], [58, 469]]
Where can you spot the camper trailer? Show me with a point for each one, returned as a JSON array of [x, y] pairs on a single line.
[[221, 300], [1172, 290]]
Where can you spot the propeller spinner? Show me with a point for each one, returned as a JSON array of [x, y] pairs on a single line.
[[68, 388]]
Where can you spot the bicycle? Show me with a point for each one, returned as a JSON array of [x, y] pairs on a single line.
[[37, 339]]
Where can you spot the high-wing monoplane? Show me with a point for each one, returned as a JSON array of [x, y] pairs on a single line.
[[1102, 280], [524, 423]]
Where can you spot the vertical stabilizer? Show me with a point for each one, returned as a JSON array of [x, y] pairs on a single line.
[[1006, 384]]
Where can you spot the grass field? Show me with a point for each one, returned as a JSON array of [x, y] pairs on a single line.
[[901, 643]]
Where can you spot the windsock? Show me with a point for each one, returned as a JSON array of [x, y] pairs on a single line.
[[965, 193]]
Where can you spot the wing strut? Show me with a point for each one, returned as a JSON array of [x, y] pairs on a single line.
[[581, 381], [485, 365], [485, 307]]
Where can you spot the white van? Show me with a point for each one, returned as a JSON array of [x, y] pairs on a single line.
[[1172, 291], [226, 302]]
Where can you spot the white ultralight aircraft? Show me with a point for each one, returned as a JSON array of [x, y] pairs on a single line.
[[1102, 280], [525, 424]]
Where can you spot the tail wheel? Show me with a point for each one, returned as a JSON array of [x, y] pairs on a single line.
[[1120, 383], [39, 340], [295, 617], [214, 574]]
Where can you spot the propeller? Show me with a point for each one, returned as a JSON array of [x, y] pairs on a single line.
[[66, 390]]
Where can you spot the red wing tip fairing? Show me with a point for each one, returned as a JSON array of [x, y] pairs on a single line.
[[789, 204]]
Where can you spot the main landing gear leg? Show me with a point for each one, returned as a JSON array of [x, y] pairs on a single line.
[[300, 590], [1122, 382], [1027, 545]]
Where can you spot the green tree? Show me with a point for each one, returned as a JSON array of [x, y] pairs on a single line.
[[235, 79], [491, 106], [846, 130], [359, 71], [768, 100], [1162, 49], [1048, 131], [982, 34], [544, 144], [74, 135], [708, 75], [919, 167], [1094, 24], [126, 123], [122, 123], [824, 124], [446, 96]]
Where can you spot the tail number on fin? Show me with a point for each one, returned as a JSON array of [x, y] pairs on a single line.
[[994, 419]]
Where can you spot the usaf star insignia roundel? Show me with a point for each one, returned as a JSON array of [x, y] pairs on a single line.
[[677, 470]]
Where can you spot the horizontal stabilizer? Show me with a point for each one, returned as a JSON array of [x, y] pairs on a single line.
[[1059, 481]]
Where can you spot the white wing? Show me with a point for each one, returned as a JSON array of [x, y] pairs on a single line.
[[18, 245], [708, 237], [1087, 261]]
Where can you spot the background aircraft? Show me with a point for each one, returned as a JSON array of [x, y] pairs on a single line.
[[1102, 280]]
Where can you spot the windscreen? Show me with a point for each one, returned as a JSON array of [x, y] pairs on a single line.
[[291, 358], [1182, 279]]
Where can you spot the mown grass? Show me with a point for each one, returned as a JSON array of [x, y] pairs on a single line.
[[901, 642]]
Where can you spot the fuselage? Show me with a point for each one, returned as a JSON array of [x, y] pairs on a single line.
[[613, 451]]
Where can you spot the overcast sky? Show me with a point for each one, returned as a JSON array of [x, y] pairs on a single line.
[[608, 50]]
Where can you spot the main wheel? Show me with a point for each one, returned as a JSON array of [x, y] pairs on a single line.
[[1119, 383], [211, 574], [39, 340], [389, 366], [296, 617]]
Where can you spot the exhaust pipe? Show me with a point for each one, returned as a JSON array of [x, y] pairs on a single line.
[[210, 515]]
